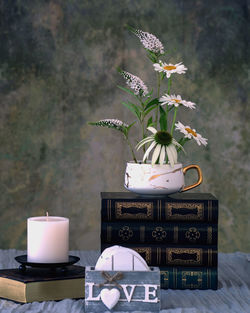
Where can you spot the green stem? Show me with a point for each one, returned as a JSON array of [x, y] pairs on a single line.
[[143, 133], [131, 148], [169, 85], [174, 118], [142, 124], [182, 142], [158, 94]]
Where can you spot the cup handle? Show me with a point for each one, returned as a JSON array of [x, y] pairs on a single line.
[[200, 178]]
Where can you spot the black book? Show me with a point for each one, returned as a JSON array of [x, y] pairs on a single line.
[[42, 284], [174, 255], [182, 207], [126, 232]]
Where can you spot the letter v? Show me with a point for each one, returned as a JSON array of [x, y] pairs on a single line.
[[128, 295]]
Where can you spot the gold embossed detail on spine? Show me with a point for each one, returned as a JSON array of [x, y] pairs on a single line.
[[195, 211], [209, 235], [165, 277], [195, 279], [183, 256], [192, 234], [121, 210], [145, 253]]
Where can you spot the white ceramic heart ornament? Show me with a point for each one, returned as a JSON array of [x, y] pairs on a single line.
[[110, 297]]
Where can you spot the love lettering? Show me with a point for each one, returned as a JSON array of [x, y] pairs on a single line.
[[147, 292]]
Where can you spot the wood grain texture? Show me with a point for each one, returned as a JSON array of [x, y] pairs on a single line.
[[139, 302]]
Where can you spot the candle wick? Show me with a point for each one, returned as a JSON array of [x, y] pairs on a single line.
[[47, 216]]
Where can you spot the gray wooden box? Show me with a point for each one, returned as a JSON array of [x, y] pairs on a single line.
[[139, 290]]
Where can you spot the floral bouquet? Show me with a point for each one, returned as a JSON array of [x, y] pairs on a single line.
[[155, 114]]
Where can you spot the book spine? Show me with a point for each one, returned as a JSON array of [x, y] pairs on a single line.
[[157, 233], [160, 210], [166, 255], [189, 278]]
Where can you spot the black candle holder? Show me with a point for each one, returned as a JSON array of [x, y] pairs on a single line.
[[23, 260]]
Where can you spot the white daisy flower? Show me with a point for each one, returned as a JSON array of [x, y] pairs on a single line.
[[149, 41], [163, 144], [169, 69], [135, 83], [111, 123], [176, 101], [190, 133]]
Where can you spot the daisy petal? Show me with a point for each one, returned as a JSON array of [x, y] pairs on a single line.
[[152, 129], [156, 154], [146, 154], [170, 156], [174, 152], [162, 155], [178, 145], [140, 144]]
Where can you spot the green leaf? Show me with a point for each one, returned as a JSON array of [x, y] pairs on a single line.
[[152, 56], [149, 94], [127, 90], [150, 121], [130, 125], [126, 129], [133, 108], [130, 28], [152, 102], [163, 119], [119, 70], [150, 109]]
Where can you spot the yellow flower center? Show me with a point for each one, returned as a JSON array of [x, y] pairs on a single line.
[[190, 131], [169, 67], [176, 100]]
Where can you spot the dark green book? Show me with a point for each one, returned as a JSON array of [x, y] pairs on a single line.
[[173, 255], [183, 207], [189, 278], [158, 233]]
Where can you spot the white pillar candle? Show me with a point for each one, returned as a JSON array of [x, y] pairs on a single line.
[[48, 239]]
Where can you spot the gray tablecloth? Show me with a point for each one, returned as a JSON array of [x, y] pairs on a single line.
[[233, 295]]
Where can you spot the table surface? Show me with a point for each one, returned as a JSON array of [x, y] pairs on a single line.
[[233, 295]]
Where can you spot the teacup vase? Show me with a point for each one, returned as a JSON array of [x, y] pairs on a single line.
[[145, 178]]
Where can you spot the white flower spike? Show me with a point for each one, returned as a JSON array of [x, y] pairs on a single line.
[[111, 123], [135, 83], [149, 41]]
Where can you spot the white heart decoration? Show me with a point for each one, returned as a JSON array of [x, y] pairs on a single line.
[[110, 297]]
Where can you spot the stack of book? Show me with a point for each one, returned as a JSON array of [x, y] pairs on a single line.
[[178, 233]]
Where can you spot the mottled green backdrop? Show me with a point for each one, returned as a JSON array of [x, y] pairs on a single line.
[[58, 64]]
